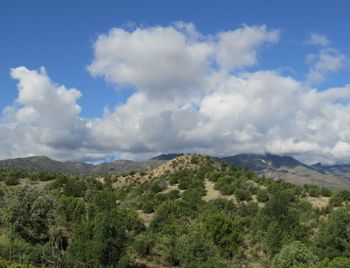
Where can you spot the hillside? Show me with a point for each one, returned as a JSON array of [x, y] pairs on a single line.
[[274, 166], [191, 211]]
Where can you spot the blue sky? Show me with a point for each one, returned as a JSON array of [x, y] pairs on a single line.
[[61, 36]]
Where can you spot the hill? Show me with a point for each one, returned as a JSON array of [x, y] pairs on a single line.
[[274, 166], [190, 211], [45, 164]]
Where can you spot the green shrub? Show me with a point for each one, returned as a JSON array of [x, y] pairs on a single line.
[[339, 262], [262, 196], [326, 192], [294, 254], [144, 244], [242, 194], [333, 238], [75, 187], [148, 206], [11, 181], [225, 232], [194, 250]]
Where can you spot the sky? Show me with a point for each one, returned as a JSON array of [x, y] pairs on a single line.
[[102, 80]]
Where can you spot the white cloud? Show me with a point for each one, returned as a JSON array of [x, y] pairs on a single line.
[[238, 48], [327, 61], [157, 60], [318, 39], [186, 99], [44, 120], [164, 60]]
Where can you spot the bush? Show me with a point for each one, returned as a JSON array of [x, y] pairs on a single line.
[[225, 185], [333, 238], [225, 232], [262, 196], [242, 194], [173, 180], [173, 194], [11, 181], [294, 254], [148, 206], [195, 159], [326, 192], [143, 244], [336, 200], [194, 250], [75, 187], [101, 242], [339, 262]]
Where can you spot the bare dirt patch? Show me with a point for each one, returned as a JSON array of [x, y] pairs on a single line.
[[146, 217], [213, 194]]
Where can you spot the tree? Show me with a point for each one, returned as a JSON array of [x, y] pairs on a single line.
[[75, 187], [195, 251], [225, 232], [339, 262], [333, 239], [29, 213], [294, 254], [100, 242]]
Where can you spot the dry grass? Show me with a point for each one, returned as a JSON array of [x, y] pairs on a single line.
[[146, 217], [213, 194], [170, 187], [318, 202], [179, 163]]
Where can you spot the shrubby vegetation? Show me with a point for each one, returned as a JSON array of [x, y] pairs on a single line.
[[54, 220]]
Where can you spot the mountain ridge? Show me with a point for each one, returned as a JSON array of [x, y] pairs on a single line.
[[269, 165]]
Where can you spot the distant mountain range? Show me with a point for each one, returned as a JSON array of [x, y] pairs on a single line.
[[275, 166], [44, 163], [293, 171]]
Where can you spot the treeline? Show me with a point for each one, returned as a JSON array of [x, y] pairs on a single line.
[[170, 221]]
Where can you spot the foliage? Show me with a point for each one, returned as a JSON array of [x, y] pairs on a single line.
[[333, 238], [29, 213], [100, 242], [195, 250], [294, 254], [78, 221], [225, 232]]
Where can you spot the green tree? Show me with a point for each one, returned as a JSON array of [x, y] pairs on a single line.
[[333, 238], [294, 254], [226, 232], [195, 251], [101, 242], [29, 213]]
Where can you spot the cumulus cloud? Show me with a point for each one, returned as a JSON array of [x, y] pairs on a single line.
[[238, 48], [186, 99], [162, 61], [158, 60], [44, 119]]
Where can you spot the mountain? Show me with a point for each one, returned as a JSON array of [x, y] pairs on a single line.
[[166, 157], [269, 165], [260, 163], [125, 166], [290, 169], [336, 170], [43, 163]]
